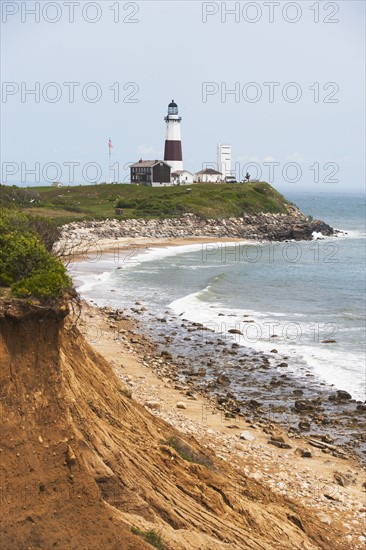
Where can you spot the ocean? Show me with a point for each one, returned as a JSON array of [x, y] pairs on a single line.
[[304, 299]]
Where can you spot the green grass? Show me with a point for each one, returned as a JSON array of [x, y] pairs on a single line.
[[187, 453], [152, 537], [206, 200]]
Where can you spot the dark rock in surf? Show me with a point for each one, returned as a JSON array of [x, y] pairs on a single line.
[[223, 380], [341, 395], [235, 331], [304, 405]]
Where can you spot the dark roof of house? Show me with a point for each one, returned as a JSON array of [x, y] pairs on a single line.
[[209, 172], [147, 163]]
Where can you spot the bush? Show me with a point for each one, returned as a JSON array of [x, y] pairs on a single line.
[[152, 537], [15, 196], [26, 266], [124, 203], [20, 255], [45, 230], [259, 189], [187, 453], [51, 281]]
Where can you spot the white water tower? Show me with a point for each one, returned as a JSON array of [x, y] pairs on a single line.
[[224, 160]]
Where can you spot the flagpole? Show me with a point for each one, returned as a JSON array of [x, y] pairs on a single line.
[[110, 152], [110, 145]]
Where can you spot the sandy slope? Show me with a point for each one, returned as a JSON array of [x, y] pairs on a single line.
[[82, 462]]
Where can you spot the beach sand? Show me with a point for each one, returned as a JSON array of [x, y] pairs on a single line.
[[96, 249]]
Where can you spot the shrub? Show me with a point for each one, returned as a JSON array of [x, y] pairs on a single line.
[[51, 281], [187, 453], [259, 189], [20, 255], [25, 263], [15, 196], [124, 203], [152, 537], [45, 230]]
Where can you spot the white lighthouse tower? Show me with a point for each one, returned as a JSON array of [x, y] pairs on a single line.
[[173, 144]]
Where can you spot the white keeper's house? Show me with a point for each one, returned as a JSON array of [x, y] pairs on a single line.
[[182, 177], [208, 175]]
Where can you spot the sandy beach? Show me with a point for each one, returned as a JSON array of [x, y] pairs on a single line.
[[287, 462], [94, 249]]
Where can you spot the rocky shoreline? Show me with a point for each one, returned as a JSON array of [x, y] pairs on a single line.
[[263, 226], [244, 383]]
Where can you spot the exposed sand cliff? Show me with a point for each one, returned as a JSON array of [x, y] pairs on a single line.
[[82, 463]]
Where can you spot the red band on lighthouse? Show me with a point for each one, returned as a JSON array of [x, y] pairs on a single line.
[[173, 150]]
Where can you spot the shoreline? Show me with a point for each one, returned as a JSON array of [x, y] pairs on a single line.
[[320, 406], [263, 450], [98, 248]]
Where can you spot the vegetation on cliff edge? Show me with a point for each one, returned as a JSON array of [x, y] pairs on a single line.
[[27, 264]]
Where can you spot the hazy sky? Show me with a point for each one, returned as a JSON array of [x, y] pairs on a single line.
[[295, 70]]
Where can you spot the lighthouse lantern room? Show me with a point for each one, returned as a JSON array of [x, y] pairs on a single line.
[[173, 144]]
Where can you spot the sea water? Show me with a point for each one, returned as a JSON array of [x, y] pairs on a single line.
[[306, 299]]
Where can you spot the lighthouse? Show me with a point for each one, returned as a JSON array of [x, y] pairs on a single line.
[[173, 144]]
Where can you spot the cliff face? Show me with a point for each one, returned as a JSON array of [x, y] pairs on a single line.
[[81, 463]]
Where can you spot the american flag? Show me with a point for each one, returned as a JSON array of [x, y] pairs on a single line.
[[110, 144]]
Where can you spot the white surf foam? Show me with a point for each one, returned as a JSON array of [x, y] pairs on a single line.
[[87, 275], [344, 369], [93, 280], [159, 253], [350, 234]]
